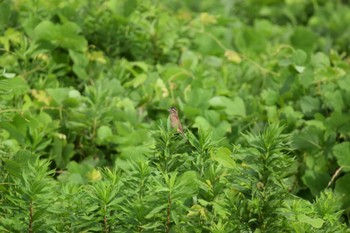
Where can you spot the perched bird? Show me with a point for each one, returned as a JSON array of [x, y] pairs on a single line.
[[175, 120]]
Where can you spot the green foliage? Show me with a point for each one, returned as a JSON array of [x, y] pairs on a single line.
[[85, 141], [28, 194], [243, 190]]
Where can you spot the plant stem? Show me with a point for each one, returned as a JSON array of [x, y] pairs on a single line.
[[167, 226], [105, 220], [30, 227]]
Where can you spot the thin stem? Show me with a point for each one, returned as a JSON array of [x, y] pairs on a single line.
[[337, 172], [167, 226], [105, 222], [31, 213]]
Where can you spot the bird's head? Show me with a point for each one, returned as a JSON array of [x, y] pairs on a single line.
[[172, 110]]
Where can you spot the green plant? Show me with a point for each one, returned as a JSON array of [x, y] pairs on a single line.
[[29, 194]]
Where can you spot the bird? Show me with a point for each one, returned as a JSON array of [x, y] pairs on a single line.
[[175, 120]]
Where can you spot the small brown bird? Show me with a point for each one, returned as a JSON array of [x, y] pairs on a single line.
[[175, 120]]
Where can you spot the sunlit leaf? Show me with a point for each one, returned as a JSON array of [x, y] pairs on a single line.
[[315, 222], [223, 157], [233, 56]]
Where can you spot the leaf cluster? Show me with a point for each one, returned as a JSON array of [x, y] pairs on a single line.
[[212, 190]]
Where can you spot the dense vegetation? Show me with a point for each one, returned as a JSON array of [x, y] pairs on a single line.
[[262, 88]]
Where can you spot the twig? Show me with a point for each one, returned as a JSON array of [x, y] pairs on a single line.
[[167, 226], [336, 173]]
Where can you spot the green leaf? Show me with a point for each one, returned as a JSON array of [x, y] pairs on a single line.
[[320, 60], [299, 69], [14, 131], [213, 117], [74, 99], [156, 210], [137, 81], [8, 75], [58, 94], [235, 107], [80, 62], [103, 133], [201, 123], [310, 138], [338, 121], [316, 181], [64, 35], [334, 100], [16, 86], [342, 153], [220, 101], [309, 104], [183, 186], [238, 107], [299, 57], [223, 157], [122, 8], [189, 59], [270, 97], [314, 222], [304, 39], [342, 187], [5, 13], [298, 227], [20, 161], [291, 115], [306, 78], [316, 123], [189, 182], [344, 83]]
